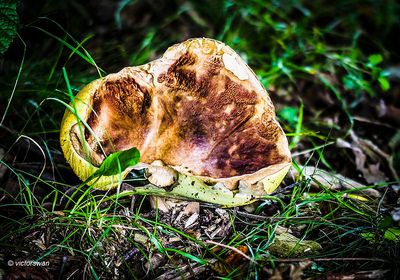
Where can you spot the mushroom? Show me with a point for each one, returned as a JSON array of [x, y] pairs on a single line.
[[202, 121]]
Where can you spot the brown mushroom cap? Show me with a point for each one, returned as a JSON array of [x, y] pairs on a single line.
[[199, 109]]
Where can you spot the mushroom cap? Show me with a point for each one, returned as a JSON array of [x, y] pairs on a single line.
[[199, 109]]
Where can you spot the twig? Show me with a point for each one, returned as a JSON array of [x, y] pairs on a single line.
[[365, 120], [233, 249]]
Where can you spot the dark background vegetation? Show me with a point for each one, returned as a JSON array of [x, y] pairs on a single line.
[[332, 69]]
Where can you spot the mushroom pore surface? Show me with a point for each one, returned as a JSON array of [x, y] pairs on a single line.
[[199, 108]]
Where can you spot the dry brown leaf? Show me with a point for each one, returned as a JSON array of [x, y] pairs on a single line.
[[368, 158], [331, 180], [233, 260]]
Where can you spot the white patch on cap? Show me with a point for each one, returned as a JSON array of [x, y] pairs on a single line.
[[233, 65]]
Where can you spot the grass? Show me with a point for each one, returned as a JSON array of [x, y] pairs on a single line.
[[325, 67]]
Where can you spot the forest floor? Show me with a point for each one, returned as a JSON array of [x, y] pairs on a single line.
[[333, 73]]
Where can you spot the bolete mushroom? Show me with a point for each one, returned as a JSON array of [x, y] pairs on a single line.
[[199, 117]]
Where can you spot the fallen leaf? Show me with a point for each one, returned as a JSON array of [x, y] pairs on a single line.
[[332, 181], [232, 261], [368, 158], [234, 258]]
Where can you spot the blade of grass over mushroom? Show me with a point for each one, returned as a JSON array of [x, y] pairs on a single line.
[[75, 111]]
